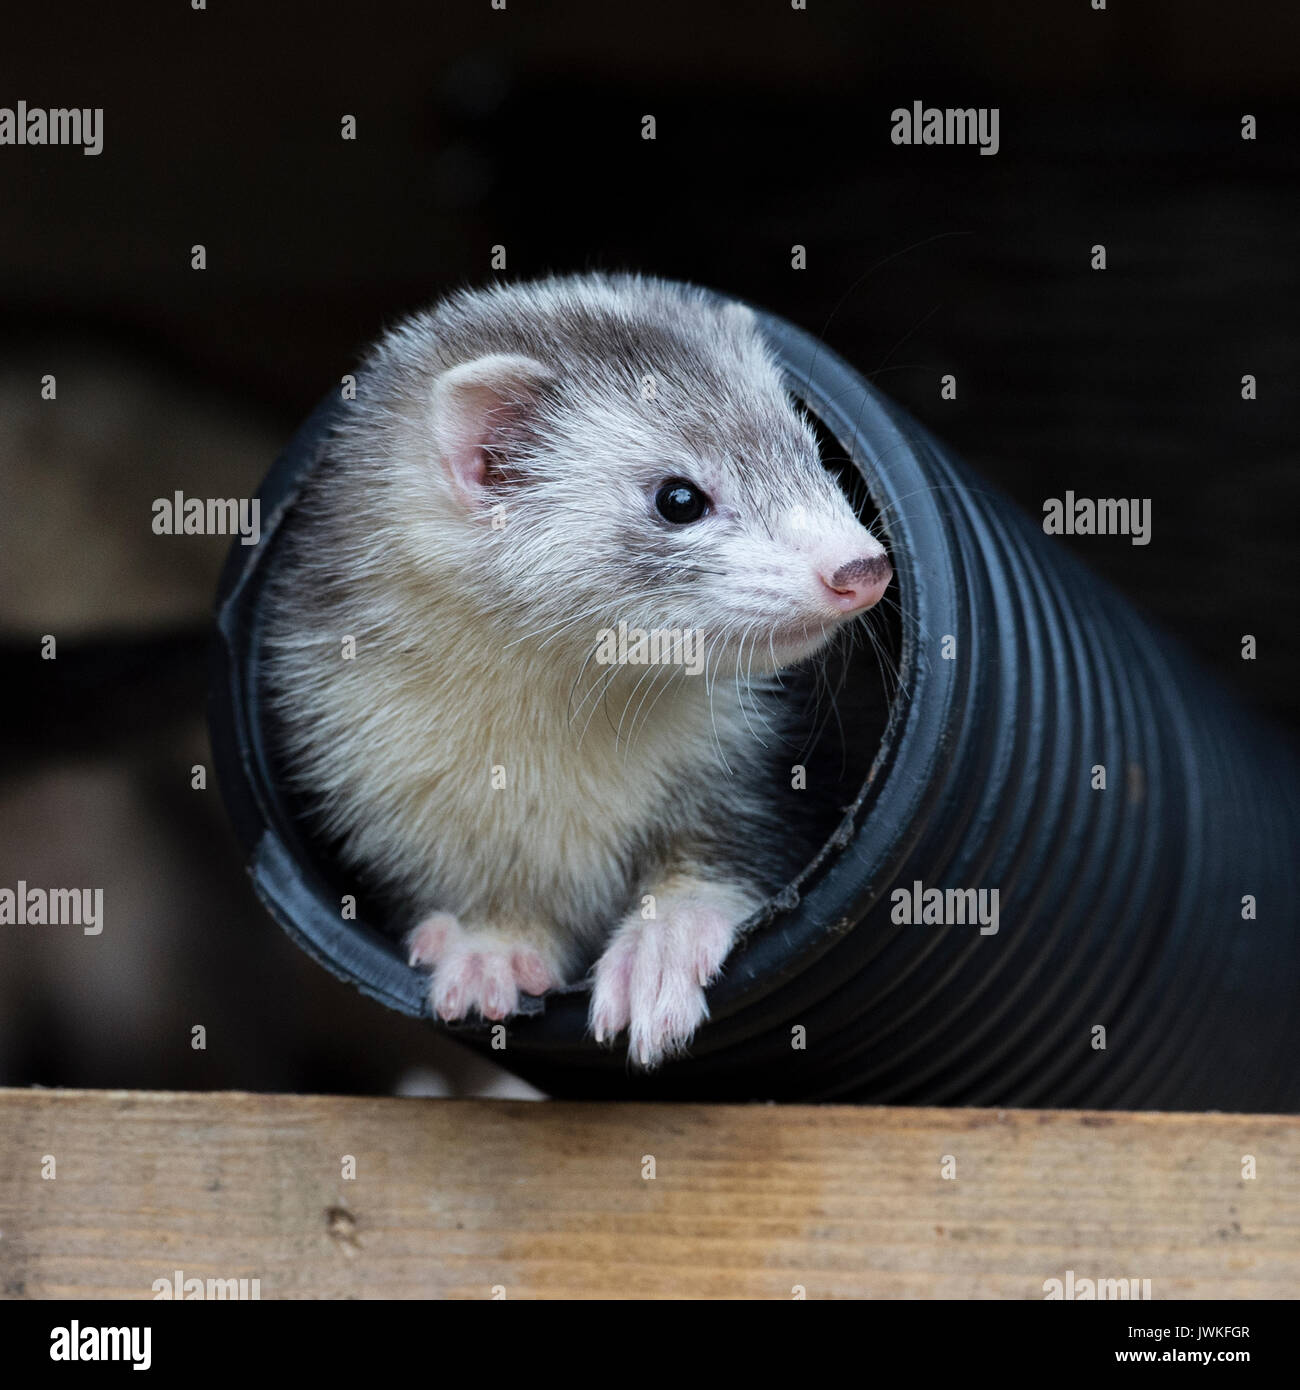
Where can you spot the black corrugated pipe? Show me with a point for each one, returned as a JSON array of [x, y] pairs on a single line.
[[1120, 909]]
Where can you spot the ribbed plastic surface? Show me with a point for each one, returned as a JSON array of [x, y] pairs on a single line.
[[1119, 909]]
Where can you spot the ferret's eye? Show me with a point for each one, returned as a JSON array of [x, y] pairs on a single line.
[[680, 502]]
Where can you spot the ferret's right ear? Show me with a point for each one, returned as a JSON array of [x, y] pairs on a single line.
[[477, 410]]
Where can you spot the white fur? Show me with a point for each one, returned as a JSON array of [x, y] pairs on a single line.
[[652, 975]]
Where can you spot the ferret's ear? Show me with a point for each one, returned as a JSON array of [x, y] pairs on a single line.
[[477, 409], [738, 314]]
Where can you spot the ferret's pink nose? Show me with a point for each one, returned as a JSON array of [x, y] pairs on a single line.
[[859, 584]]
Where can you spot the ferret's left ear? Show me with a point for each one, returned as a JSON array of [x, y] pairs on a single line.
[[477, 408], [739, 315]]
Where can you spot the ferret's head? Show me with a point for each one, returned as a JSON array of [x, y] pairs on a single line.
[[605, 450]]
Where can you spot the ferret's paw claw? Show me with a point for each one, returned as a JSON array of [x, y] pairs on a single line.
[[651, 981], [470, 978], [475, 971], [612, 989]]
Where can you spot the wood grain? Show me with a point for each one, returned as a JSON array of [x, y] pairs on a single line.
[[454, 1198]]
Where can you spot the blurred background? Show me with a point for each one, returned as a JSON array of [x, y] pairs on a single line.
[[522, 128]]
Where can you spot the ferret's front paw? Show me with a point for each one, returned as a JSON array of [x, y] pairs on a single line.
[[482, 970], [652, 975]]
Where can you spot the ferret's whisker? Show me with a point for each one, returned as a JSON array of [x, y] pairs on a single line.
[[653, 671], [650, 711]]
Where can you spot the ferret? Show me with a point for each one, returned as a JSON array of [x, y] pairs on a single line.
[[527, 634]]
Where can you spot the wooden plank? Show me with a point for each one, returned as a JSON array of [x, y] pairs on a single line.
[[453, 1198]]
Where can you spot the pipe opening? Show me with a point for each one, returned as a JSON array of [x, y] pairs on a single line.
[[840, 701]]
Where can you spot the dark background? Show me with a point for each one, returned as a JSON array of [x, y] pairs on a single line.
[[523, 128]]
